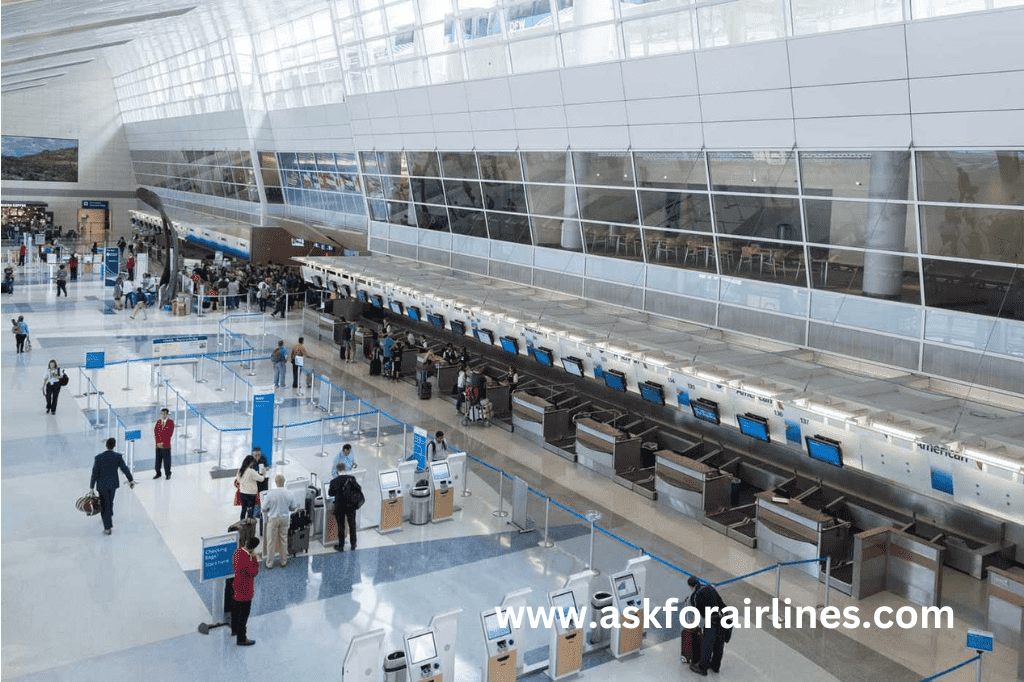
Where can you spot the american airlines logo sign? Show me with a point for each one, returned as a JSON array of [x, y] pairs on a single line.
[[941, 450]]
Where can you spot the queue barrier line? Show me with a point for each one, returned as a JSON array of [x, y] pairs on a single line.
[[976, 657], [768, 568]]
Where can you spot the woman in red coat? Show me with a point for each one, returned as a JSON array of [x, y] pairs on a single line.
[[246, 567]]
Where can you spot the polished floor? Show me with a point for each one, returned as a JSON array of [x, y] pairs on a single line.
[[78, 605]]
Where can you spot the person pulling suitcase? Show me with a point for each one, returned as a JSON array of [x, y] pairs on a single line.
[[713, 634]]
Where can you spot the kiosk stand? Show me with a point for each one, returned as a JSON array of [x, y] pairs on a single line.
[[390, 501], [421, 654], [566, 643], [502, 650], [520, 599], [444, 492], [363, 658], [628, 591]]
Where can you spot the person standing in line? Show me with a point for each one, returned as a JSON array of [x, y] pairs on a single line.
[[298, 351], [51, 386], [344, 512], [248, 479], [277, 505], [62, 281], [163, 433], [20, 333], [233, 294], [9, 279], [121, 243], [246, 566], [73, 266], [280, 359], [703, 598], [118, 293], [22, 251], [130, 264], [437, 449], [105, 481], [346, 340]]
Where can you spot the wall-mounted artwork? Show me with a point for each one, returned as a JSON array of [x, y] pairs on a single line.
[[40, 159]]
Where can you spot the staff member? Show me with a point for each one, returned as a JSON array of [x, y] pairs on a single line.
[[105, 481], [245, 566], [163, 432]]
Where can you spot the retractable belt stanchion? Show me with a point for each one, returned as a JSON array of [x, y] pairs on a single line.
[[379, 443], [201, 370], [359, 417], [127, 379], [284, 440], [252, 365], [547, 515], [344, 399], [200, 450], [323, 450], [500, 511]]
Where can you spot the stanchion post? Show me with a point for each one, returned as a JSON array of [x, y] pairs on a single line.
[[828, 578], [221, 386], [252, 365], [590, 562], [220, 448], [277, 415], [344, 401], [201, 370], [778, 579], [108, 420], [359, 417], [405, 439], [284, 440], [379, 443], [127, 379], [200, 450], [500, 511], [323, 450], [547, 514], [184, 428]]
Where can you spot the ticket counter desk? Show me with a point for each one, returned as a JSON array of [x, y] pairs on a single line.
[[789, 530], [689, 486], [391, 500], [502, 649], [566, 650], [528, 414], [443, 491], [606, 449]]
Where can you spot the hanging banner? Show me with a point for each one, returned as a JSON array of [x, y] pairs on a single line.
[[419, 447], [263, 421], [113, 265]]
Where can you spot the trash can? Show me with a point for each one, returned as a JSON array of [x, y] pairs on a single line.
[[419, 506], [599, 603], [395, 669]]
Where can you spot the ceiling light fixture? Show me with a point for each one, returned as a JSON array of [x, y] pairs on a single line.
[[891, 430]]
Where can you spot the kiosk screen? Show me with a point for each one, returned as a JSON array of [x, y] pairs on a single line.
[[564, 602], [378, 300], [652, 392], [754, 426], [389, 480], [348, 289], [573, 366], [413, 312], [436, 320], [494, 629], [459, 327], [625, 587], [825, 450], [439, 471], [396, 307], [615, 379], [532, 352], [705, 410], [421, 648], [510, 345], [544, 356], [484, 336], [362, 296]]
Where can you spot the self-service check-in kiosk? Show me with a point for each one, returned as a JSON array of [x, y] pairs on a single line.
[[444, 492], [421, 655], [628, 589], [390, 500], [502, 650], [362, 662], [566, 642]]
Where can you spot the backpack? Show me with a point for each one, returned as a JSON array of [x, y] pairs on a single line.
[[352, 494], [278, 355]]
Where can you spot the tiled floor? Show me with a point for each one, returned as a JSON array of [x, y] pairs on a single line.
[[78, 605]]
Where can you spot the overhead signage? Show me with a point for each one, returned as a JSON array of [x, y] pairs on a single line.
[[180, 345], [112, 258], [96, 204], [298, 241], [263, 422]]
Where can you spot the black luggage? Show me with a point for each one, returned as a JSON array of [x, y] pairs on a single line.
[[298, 540], [425, 390], [690, 643], [229, 595], [6, 287], [375, 367]]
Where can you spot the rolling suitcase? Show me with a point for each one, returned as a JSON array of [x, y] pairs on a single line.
[[298, 539], [690, 643], [426, 390], [375, 367]]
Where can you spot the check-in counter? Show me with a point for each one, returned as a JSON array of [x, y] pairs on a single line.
[[689, 486], [447, 378], [316, 325], [606, 449], [498, 395], [1006, 606], [789, 531], [528, 414], [894, 560]]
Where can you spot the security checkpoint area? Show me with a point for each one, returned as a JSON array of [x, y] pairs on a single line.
[[498, 522]]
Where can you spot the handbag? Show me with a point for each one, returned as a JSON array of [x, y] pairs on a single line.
[[64, 380], [90, 503], [238, 495], [28, 344]]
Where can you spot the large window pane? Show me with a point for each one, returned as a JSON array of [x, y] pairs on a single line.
[[536, 54], [582, 12], [992, 290], [557, 234], [549, 199], [432, 218], [866, 273], [390, 163], [883, 175], [603, 168], [545, 166], [676, 210], [500, 196], [368, 160], [530, 16], [610, 205], [509, 228], [871, 225], [396, 188], [500, 166], [758, 217], [459, 165], [765, 261], [487, 62], [423, 164], [613, 240], [671, 170], [463, 193], [768, 172], [591, 45], [742, 21], [664, 34], [468, 222], [982, 177], [427, 190], [401, 213], [680, 250], [977, 233], [814, 16]]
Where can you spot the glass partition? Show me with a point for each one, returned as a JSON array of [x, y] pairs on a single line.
[[545, 167], [865, 224], [763, 172], [971, 177], [671, 170], [881, 175], [974, 233], [675, 210]]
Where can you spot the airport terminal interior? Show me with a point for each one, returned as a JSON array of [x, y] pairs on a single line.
[[736, 286]]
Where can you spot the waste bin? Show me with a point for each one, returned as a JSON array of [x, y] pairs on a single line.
[[395, 669], [419, 506], [599, 603]]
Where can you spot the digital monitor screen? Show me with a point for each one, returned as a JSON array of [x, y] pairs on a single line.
[[484, 336], [532, 352], [389, 480], [362, 296], [652, 392], [378, 300], [458, 327], [510, 345], [413, 312], [598, 372], [563, 602], [573, 366], [396, 307], [825, 450], [754, 426], [436, 320], [615, 380], [493, 629], [625, 587], [439, 471], [347, 288], [544, 356], [421, 648], [705, 410]]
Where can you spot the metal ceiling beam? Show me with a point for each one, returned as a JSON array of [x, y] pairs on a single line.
[[47, 68], [97, 25], [86, 48]]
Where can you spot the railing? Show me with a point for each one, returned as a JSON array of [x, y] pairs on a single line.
[[947, 671]]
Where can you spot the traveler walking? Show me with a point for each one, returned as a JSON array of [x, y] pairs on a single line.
[[105, 481]]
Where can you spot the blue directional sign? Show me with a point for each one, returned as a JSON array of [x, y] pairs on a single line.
[[217, 554], [980, 640], [263, 424], [95, 359], [419, 447], [133, 435], [113, 265]]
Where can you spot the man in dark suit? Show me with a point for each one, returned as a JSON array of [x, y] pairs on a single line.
[[105, 481]]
